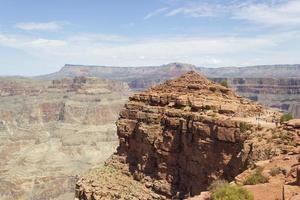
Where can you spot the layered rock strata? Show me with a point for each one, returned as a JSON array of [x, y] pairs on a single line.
[[281, 93], [178, 137], [52, 130]]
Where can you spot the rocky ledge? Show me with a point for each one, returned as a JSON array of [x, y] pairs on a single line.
[[175, 139]]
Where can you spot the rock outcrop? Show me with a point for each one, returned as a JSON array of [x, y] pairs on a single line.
[[184, 134], [175, 139]]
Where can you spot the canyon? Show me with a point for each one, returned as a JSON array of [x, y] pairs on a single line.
[[275, 86], [53, 130], [54, 127]]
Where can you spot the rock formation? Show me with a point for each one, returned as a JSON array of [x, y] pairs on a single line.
[[182, 134], [178, 137]]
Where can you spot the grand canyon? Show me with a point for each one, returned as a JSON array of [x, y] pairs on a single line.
[[150, 100], [272, 85], [173, 140]]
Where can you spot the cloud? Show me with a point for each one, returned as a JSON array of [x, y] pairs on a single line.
[[155, 12], [283, 14], [47, 26], [266, 12], [34, 46], [205, 10], [208, 51], [96, 38]]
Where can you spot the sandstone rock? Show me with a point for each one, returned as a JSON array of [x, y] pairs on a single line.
[[187, 135], [295, 123]]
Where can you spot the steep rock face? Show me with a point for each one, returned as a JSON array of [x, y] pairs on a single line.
[[176, 138], [183, 133]]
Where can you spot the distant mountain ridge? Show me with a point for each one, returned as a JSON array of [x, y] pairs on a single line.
[[119, 72], [136, 77], [112, 72], [259, 71]]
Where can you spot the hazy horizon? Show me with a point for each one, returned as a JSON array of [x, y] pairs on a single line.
[[162, 65], [40, 37]]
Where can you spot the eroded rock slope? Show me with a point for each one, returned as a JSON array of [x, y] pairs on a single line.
[[178, 137]]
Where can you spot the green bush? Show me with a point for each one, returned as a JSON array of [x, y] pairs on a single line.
[[286, 117], [216, 183], [224, 83], [224, 191], [275, 171], [244, 127], [256, 178]]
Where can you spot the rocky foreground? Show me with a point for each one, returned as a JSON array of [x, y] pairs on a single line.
[[178, 138], [52, 130]]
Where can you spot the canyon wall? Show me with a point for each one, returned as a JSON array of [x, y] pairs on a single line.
[[271, 85], [52, 130], [283, 93]]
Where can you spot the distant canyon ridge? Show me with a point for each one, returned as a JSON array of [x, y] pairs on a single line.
[[276, 86]]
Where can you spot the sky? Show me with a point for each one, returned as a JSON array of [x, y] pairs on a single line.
[[40, 36]]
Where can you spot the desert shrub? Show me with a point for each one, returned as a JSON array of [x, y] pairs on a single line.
[[187, 108], [216, 183], [275, 171], [244, 127], [286, 117], [214, 115], [225, 191], [224, 83], [206, 107], [283, 135], [268, 153], [256, 178]]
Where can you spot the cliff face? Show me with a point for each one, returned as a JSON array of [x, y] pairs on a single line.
[[274, 86], [176, 138], [181, 133], [283, 93], [44, 127], [260, 71]]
